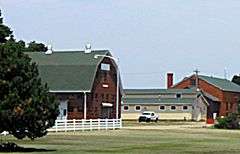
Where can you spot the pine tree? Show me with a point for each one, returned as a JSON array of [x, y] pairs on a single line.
[[27, 109], [4, 30]]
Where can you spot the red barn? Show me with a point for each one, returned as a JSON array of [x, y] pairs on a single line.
[[85, 85], [223, 93]]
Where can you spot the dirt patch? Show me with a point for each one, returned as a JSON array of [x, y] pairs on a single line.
[[164, 125]]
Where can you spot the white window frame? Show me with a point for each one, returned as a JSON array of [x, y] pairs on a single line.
[[173, 109], [124, 106], [136, 106], [162, 109], [105, 67]]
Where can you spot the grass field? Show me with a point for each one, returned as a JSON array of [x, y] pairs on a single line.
[[139, 141]]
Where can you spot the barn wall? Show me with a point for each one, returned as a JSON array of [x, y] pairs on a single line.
[[167, 114], [103, 94], [225, 98], [162, 116], [74, 104], [231, 101]]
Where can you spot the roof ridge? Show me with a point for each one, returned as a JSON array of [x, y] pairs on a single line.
[[223, 84], [214, 77], [77, 50]]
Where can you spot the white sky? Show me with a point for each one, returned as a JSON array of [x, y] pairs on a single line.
[[150, 37]]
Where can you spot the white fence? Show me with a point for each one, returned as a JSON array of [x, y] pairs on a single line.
[[86, 125]]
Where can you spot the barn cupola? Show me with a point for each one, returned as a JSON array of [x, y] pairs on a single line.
[[88, 48], [49, 50]]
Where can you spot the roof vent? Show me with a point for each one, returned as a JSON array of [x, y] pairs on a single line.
[[49, 50], [88, 48]]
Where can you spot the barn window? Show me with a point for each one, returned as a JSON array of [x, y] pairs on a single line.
[[162, 107], [193, 82], [105, 76], [70, 109], [105, 67], [173, 107], [113, 97], [185, 107], [138, 108], [102, 95], [125, 108], [178, 95], [64, 112]]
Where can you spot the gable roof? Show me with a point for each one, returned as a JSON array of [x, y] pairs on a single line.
[[68, 70], [156, 101], [222, 84], [159, 91], [134, 96]]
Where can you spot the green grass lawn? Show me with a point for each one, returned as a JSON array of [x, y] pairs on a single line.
[[168, 141]]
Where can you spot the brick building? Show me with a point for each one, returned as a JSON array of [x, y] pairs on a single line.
[[222, 95], [84, 85]]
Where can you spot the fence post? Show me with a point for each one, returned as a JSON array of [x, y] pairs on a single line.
[[99, 122], [120, 121], [74, 125], [90, 124], [65, 125], [56, 126], [113, 125], [106, 124], [82, 124]]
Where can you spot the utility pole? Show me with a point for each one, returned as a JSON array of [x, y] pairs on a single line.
[[196, 76]]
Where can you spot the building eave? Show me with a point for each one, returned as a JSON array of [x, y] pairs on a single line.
[[69, 91]]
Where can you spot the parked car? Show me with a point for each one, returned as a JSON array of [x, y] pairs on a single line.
[[148, 116]]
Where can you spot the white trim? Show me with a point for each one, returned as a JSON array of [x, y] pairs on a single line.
[[69, 91], [107, 104], [136, 106], [105, 85], [80, 49], [85, 106]]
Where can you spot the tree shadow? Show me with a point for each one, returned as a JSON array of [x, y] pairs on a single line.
[[12, 147]]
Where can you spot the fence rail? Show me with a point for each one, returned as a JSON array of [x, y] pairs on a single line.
[[86, 125]]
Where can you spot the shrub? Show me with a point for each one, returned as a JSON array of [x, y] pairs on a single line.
[[229, 122]]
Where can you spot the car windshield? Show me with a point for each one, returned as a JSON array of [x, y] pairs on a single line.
[[146, 113]]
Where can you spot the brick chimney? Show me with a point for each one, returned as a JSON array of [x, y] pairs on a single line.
[[169, 80]]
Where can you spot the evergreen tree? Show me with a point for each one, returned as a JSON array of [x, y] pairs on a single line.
[[26, 107], [4, 30]]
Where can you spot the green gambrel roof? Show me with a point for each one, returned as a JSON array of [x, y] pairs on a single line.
[[159, 91], [68, 70], [157, 101], [223, 84]]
